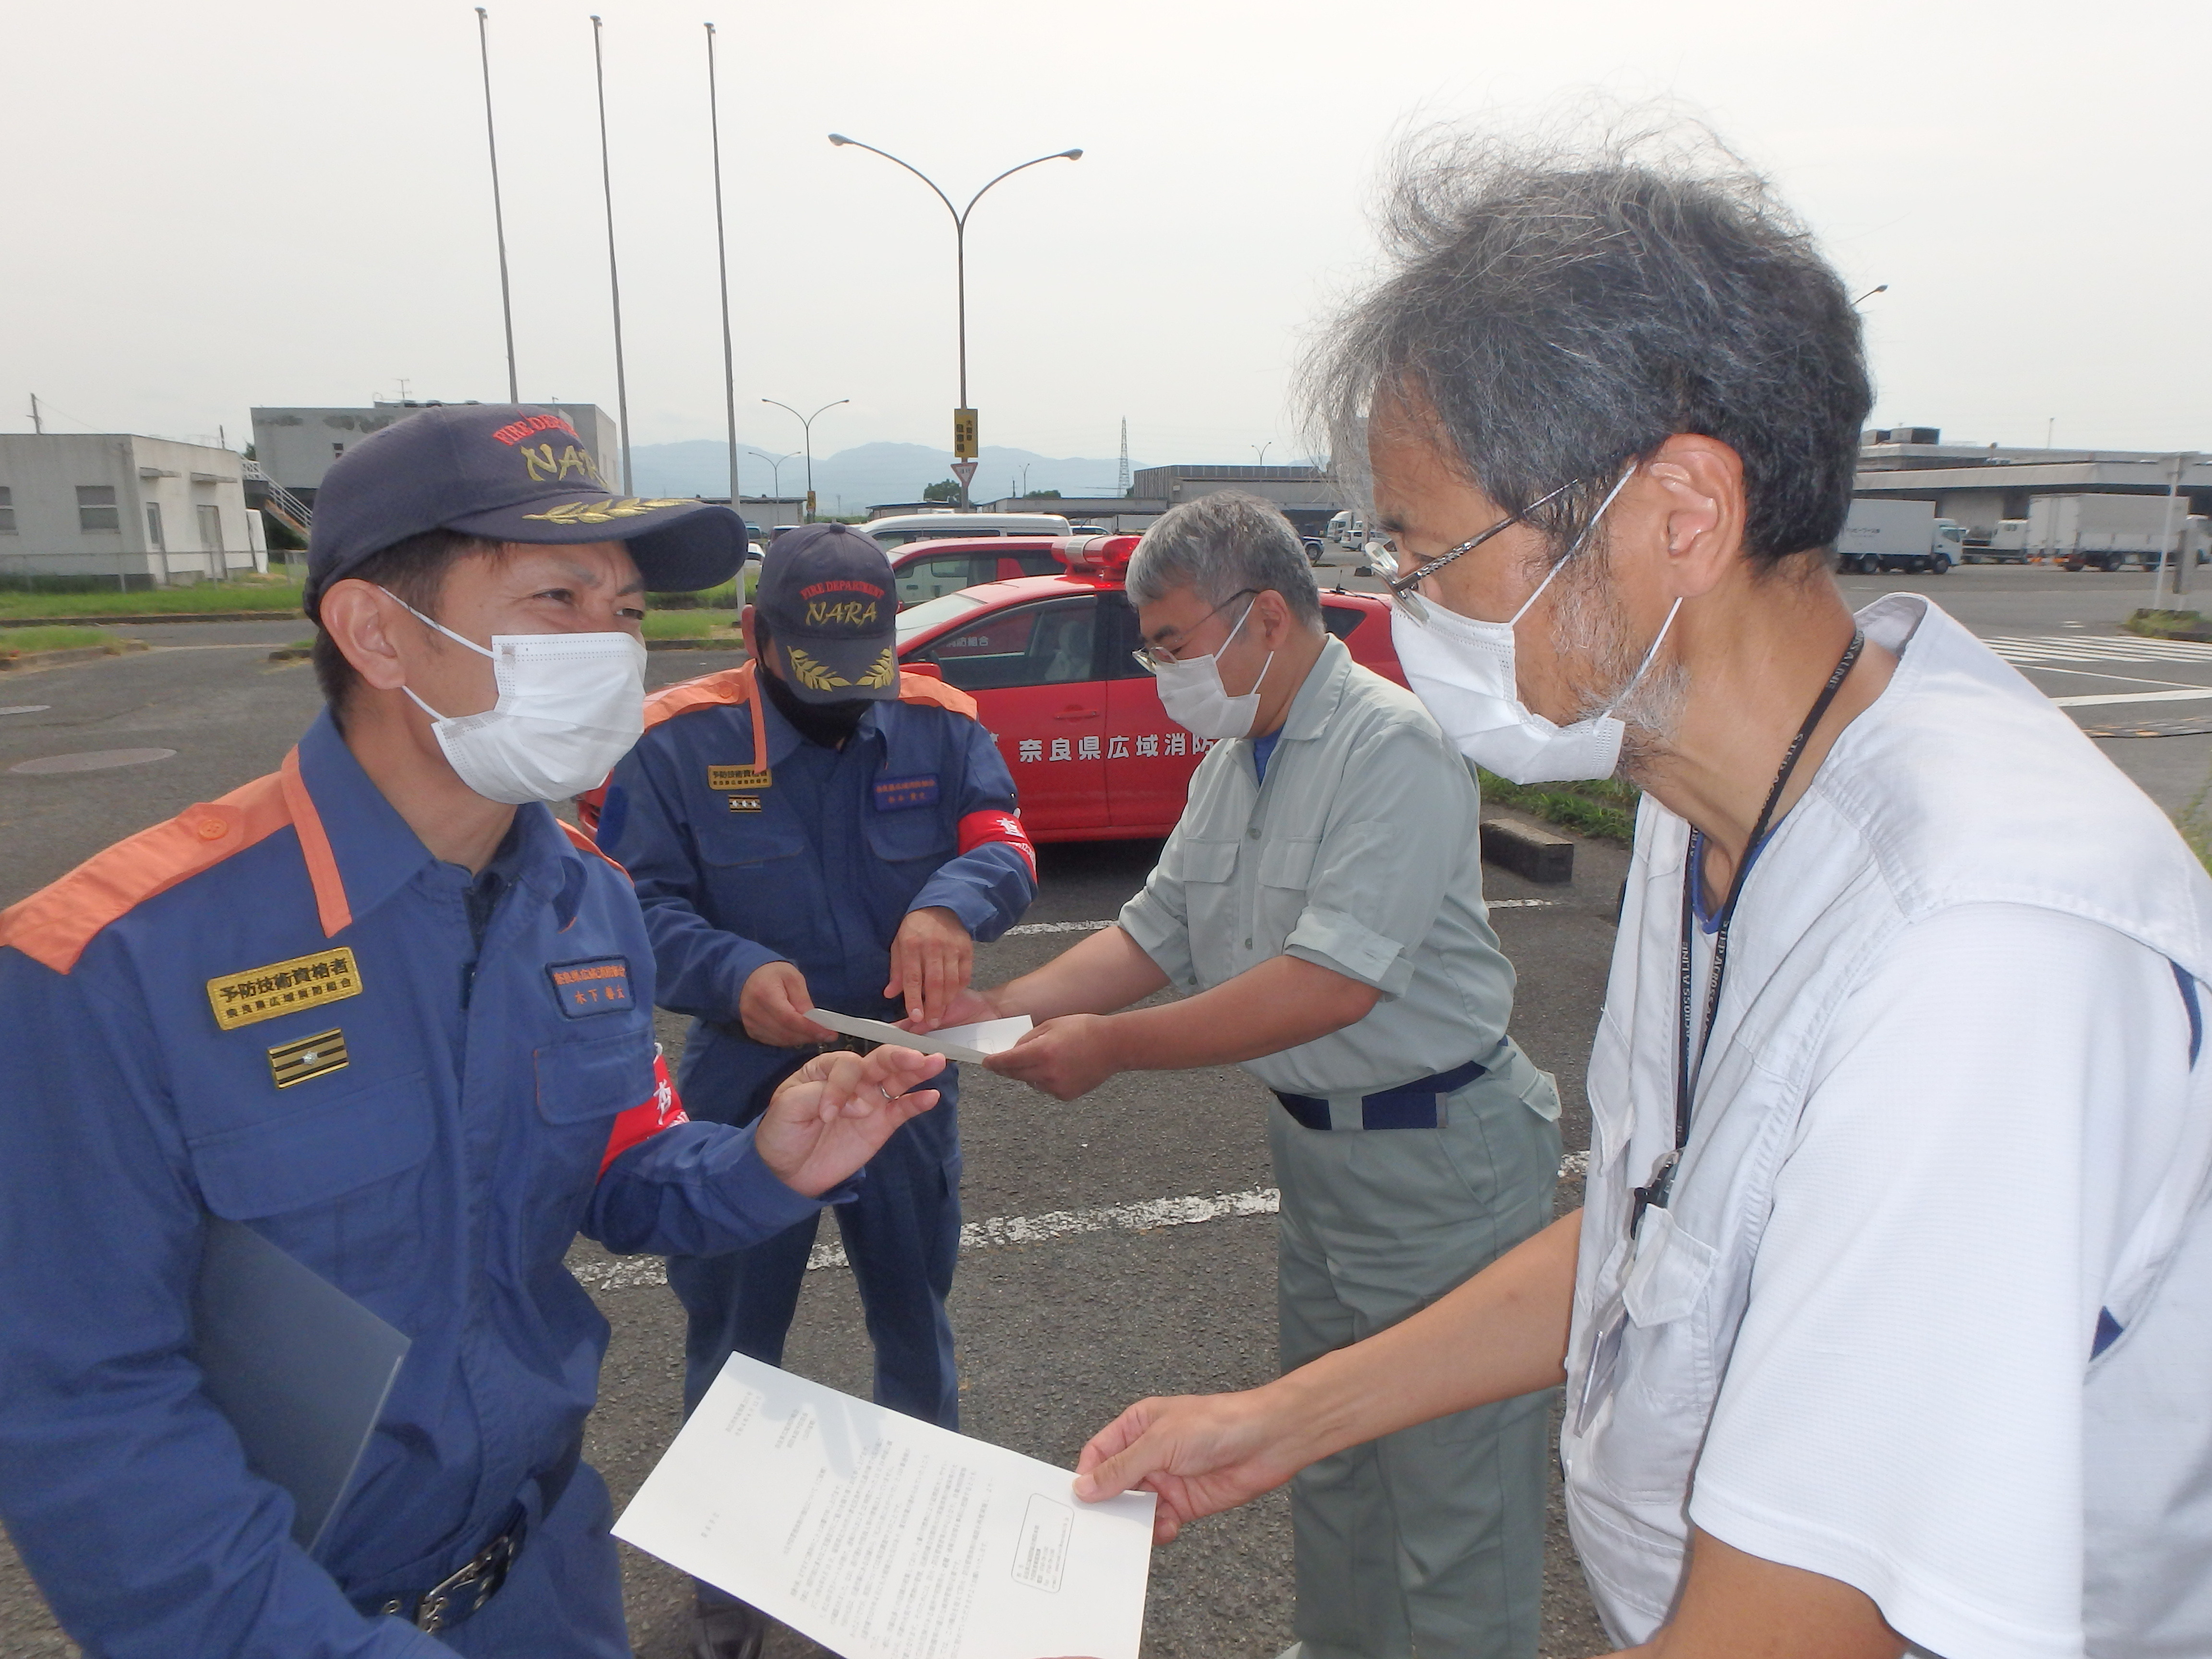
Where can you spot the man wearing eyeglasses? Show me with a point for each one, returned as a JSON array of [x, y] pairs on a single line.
[[1320, 905]]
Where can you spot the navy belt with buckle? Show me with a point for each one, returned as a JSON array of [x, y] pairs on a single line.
[[1409, 1106], [461, 1594]]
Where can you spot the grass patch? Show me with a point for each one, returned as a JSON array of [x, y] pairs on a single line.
[[1602, 807], [2168, 624], [690, 624], [19, 640], [271, 593]]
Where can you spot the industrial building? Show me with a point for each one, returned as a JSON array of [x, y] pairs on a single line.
[[147, 512], [1980, 485], [295, 447]]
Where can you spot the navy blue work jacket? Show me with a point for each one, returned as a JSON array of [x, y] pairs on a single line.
[[817, 866], [154, 1072]]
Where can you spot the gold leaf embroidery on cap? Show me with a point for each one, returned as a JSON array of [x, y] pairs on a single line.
[[622, 506], [884, 671], [814, 675]]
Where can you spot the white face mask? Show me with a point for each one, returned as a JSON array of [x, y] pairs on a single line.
[[1196, 699], [570, 706], [1463, 671]]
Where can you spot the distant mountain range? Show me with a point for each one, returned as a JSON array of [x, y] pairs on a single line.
[[853, 480]]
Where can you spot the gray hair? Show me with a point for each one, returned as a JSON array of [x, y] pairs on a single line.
[[1565, 308], [1221, 545]]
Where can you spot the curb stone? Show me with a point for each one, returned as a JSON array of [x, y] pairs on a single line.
[[157, 616], [71, 653]]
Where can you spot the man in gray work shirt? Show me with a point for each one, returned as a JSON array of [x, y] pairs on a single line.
[[1320, 905]]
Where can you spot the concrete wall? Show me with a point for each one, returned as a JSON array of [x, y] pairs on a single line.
[[42, 472], [296, 445]]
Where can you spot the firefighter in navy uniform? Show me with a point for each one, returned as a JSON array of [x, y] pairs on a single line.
[[381, 1008], [816, 830]]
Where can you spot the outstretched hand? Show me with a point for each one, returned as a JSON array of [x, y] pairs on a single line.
[[1201, 1454], [831, 1115]]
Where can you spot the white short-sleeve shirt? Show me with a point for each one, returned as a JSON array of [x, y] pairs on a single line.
[[1928, 1313]]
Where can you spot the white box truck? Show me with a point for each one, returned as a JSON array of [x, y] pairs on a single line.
[[2106, 532], [1881, 535]]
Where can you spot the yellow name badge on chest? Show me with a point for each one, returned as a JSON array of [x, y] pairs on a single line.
[[282, 988], [296, 1062], [724, 779]]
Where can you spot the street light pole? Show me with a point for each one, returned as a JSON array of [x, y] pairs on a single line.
[[775, 470], [1879, 288], [806, 429], [614, 276], [722, 254], [965, 440], [498, 210], [1263, 449]]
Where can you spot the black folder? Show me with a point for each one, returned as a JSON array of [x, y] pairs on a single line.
[[299, 1368]]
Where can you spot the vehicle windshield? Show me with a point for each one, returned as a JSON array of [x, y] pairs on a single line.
[[931, 612]]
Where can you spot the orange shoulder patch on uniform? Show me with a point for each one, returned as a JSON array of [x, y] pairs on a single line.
[[926, 688], [586, 844], [727, 686], [55, 924]]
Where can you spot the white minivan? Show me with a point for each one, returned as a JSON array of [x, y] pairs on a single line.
[[894, 532]]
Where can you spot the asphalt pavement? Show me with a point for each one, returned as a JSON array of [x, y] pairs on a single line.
[[1101, 1292]]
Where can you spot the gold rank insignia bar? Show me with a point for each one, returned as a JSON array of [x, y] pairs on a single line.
[[296, 1062], [728, 778], [282, 988]]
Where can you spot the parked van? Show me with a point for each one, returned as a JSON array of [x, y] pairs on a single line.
[[894, 532]]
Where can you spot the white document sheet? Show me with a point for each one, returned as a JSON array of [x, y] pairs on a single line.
[[882, 1537], [969, 1043]]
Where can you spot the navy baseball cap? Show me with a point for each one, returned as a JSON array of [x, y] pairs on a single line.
[[508, 473], [825, 592]]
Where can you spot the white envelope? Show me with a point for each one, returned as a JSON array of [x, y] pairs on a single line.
[[969, 1043], [884, 1537]]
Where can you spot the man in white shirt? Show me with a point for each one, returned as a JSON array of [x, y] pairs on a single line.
[[1887, 1325]]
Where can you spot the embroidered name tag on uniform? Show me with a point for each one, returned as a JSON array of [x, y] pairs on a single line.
[[599, 985], [727, 778], [897, 794], [282, 988], [744, 803], [296, 1062]]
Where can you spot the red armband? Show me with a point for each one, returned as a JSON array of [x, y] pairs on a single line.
[[663, 1111], [993, 823]]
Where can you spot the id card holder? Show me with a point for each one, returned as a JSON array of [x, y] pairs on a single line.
[[1604, 1373]]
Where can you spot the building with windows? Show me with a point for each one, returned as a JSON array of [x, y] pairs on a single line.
[[149, 512], [1982, 485], [295, 447]]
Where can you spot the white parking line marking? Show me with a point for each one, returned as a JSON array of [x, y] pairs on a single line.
[[2095, 674], [2062, 647], [1520, 904], [1055, 927], [2133, 696], [631, 1272]]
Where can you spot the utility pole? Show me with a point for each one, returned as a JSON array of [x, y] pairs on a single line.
[[722, 254], [2162, 590], [967, 445], [498, 209], [1125, 456], [614, 276], [38, 420]]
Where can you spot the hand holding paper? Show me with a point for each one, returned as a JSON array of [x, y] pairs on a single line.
[[882, 1537], [973, 1043]]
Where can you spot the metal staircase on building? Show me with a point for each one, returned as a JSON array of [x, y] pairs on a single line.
[[280, 503]]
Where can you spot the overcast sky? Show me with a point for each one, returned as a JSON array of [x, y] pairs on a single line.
[[237, 202]]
